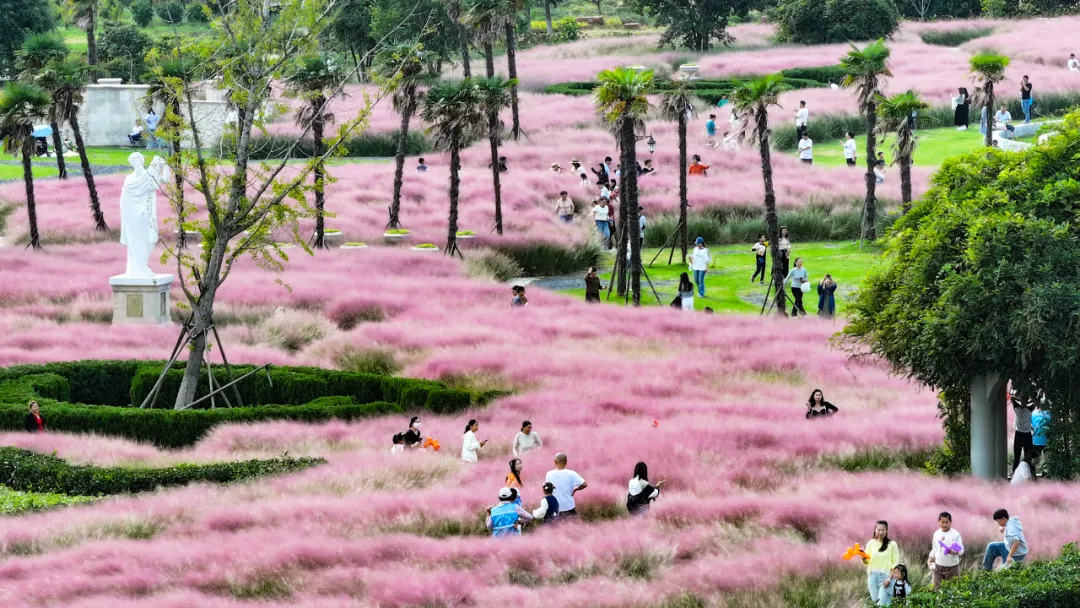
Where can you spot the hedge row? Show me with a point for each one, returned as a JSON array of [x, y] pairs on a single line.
[[168, 428], [28, 471], [368, 145], [709, 90], [93, 381]]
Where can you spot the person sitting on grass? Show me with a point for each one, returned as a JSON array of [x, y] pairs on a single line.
[[816, 406], [504, 518], [399, 443]]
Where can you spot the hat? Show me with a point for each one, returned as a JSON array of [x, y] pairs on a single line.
[[506, 494], [553, 165], [575, 160], [699, 241]]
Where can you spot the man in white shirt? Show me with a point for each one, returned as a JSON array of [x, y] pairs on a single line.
[[1002, 119], [802, 118], [564, 207], [731, 142], [945, 552], [806, 149], [850, 149], [700, 260], [1074, 65], [567, 483]]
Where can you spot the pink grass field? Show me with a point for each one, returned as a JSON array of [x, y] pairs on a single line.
[[713, 404]]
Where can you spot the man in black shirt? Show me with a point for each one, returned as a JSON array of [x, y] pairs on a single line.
[[1025, 98]]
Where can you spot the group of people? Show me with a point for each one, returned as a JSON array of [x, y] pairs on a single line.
[[604, 205], [150, 123], [797, 277], [1031, 424]]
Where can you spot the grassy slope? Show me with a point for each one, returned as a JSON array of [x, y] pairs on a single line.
[[728, 287], [13, 503]]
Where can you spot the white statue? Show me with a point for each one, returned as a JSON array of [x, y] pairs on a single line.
[[138, 213]]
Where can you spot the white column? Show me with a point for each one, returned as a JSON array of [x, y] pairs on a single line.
[[988, 440]]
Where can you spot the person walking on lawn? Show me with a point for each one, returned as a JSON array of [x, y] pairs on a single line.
[[700, 262]]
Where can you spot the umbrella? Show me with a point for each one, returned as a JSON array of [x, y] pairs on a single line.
[[42, 131]]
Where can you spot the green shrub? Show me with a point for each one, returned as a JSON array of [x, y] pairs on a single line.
[[547, 259], [566, 30], [823, 74], [14, 503], [708, 90], [825, 21], [942, 9], [879, 459], [142, 12], [196, 14], [368, 145], [368, 361], [954, 37], [122, 48], [491, 264], [171, 12], [28, 471]]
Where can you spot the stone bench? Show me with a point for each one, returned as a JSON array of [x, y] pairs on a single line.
[[632, 26]]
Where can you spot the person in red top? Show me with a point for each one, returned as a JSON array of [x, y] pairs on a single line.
[[34, 422], [697, 167]]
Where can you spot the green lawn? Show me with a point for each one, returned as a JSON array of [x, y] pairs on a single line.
[[13, 503], [728, 287], [16, 171]]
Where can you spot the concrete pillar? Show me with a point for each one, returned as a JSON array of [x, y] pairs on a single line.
[[988, 427]]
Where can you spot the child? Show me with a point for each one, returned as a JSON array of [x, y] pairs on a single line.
[[759, 252], [710, 130], [697, 167], [580, 171], [806, 149], [943, 561], [731, 142], [399, 443], [519, 297], [420, 166], [549, 506], [899, 587]]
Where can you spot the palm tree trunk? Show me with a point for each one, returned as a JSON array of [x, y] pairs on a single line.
[[463, 37], [91, 39], [58, 146], [317, 174], [493, 140], [683, 203], [629, 202], [772, 223], [511, 66], [870, 233], [28, 181], [547, 17], [84, 160], [989, 114], [904, 145], [489, 60], [399, 161], [455, 185]]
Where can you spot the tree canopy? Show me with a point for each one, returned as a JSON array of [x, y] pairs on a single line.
[[22, 17], [694, 24]]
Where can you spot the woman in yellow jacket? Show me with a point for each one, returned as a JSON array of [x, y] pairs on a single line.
[[884, 556]]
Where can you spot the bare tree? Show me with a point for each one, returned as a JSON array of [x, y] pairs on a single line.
[[922, 7]]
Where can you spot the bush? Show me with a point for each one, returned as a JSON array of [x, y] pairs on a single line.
[[171, 12], [28, 471], [142, 12], [368, 361], [743, 225], [196, 14], [13, 503], [368, 145], [122, 48], [546, 259], [955, 37], [566, 30], [92, 381], [708, 90], [942, 9], [825, 21], [491, 264]]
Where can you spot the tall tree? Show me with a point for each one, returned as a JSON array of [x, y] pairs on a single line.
[[987, 69], [167, 81], [454, 114], [36, 52], [351, 27], [22, 105], [752, 100], [66, 79], [677, 104], [457, 16], [311, 81], [406, 68], [896, 114], [85, 13], [426, 22], [514, 7], [864, 71], [22, 18], [622, 100], [547, 16], [693, 24]]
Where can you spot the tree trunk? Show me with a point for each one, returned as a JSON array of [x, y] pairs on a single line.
[[95, 204], [905, 168], [57, 144], [91, 39], [870, 233], [317, 173], [463, 38], [772, 224], [547, 17], [989, 115], [202, 318], [629, 202], [455, 185], [683, 203], [597, 3], [493, 140], [399, 161], [28, 181], [178, 176], [511, 66]]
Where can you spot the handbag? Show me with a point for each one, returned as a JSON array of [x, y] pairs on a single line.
[[805, 287]]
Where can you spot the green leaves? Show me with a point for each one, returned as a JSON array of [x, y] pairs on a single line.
[[623, 94], [864, 68]]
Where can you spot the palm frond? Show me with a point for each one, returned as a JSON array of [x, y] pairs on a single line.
[[896, 118], [488, 18], [623, 95], [38, 50], [455, 109], [864, 70], [21, 106], [677, 101], [987, 69], [751, 100]]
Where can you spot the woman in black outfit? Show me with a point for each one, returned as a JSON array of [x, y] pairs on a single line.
[[962, 105], [412, 436], [817, 406]]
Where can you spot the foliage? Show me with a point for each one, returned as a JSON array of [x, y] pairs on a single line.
[[122, 48], [195, 13], [548, 259], [171, 12], [879, 459], [825, 21], [21, 18], [742, 225], [142, 12], [24, 470], [939, 9], [566, 30], [15, 503], [494, 265], [694, 25], [981, 280], [368, 361], [954, 37], [366, 145], [423, 22], [708, 90]]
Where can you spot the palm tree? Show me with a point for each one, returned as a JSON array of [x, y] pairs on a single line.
[[864, 70], [67, 79], [515, 7], [37, 51], [752, 100], [987, 69], [678, 104], [312, 81], [453, 10], [454, 114], [622, 102], [84, 13], [166, 83], [896, 117], [411, 67], [495, 95], [22, 105]]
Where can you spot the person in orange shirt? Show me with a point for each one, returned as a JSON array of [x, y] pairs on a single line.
[[697, 167]]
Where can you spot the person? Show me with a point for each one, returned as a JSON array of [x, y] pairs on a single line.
[[850, 149], [1021, 475], [833, 86], [399, 443], [469, 444], [506, 517], [784, 245], [686, 292], [802, 119], [731, 141], [798, 277], [513, 478], [642, 223], [1002, 119], [611, 218], [412, 435], [580, 172], [944, 561], [34, 423], [135, 137], [1023, 406], [567, 483], [961, 109], [519, 297], [556, 168], [605, 190], [648, 168], [884, 556], [564, 207], [1025, 98], [697, 167], [502, 165], [526, 440], [592, 286], [548, 511], [1013, 550], [603, 172], [151, 120], [640, 492], [1073, 64], [806, 149], [1040, 427], [700, 262], [723, 101], [817, 406], [982, 121], [420, 166], [600, 216], [710, 131], [879, 174], [826, 304], [899, 586], [707, 310], [759, 250]]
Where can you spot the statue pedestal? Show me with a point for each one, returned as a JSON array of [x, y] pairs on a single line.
[[141, 300]]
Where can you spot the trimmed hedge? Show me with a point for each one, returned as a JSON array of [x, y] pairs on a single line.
[[100, 382], [1053, 584], [709, 90], [367, 145], [28, 471]]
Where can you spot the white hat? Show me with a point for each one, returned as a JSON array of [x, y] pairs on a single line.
[[505, 494]]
